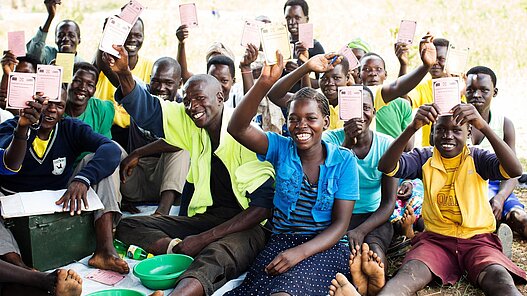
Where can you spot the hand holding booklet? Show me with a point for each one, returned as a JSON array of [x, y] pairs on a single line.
[[115, 32], [41, 202], [21, 88], [350, 102], [275, 37], [49, 81]]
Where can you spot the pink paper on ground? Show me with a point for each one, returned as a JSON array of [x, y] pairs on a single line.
[[16, 43], [188, 15], [406, 32], [131, 12], [305, 35], [350, 102], [446, 93], [352, 59], [251, 33], [106, 277]]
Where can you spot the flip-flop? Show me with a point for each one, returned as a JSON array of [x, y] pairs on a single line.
[[506, 236]]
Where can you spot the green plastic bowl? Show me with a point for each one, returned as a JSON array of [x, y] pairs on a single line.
[[161, 272], [117, 292]]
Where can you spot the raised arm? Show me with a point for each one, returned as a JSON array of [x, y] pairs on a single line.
[[182, 35], [36, 44], [406, 83], [467, 113], [320, 63], [9, 62], [240, 124], [401, 52], [425, 114]]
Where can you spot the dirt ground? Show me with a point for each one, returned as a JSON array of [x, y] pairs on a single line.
[[463, 287]]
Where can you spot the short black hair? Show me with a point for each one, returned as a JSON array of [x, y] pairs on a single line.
[[62, 22], [222, 60], [345, 65], [86, 67], [301, 3], [484, 70], [307, 94], [30, 60], [370, 54], [169, 62], [441, 42], [368, 90]]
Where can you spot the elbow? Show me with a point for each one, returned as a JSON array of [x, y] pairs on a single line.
[[382, 166], [516, 171]]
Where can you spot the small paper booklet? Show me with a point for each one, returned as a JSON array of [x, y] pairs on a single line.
[[131, 12], [446, 93], [49, 81], [66, 61], [251, 33], [406, 32], [305, 35], [350, 102], [456, 59], [275, 37], [188, 15], [115, 32], [350, 56], [107, 277], [16, 43], [21, 88], [41, 202]]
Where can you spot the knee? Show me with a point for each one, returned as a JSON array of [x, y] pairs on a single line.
[[495, 278], [125, 226]]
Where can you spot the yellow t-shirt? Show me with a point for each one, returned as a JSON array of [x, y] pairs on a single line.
[[334, 118], [40, 146], [105, 90], [446, 197]]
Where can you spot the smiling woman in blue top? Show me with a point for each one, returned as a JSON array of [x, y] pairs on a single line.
[[315, 191]]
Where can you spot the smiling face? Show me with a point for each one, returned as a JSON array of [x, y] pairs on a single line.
[[67, 37], [306, 123], [223, 75], [51, 114], [82, 87], [330, 81], [294, 15], [480, 91], [368, 111], [203, 103], [372, 71], [135, 38], [164, 82], [437, 69], [449, 138]]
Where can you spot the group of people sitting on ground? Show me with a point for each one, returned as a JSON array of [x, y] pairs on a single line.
[[270, 181]]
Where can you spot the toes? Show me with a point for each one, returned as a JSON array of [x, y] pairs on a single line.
[[341, 279]]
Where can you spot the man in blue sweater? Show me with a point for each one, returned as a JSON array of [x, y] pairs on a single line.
[[48, 164]]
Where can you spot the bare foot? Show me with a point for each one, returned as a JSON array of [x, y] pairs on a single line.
[[407, 222], [357, 276], [108, 261], [69, 283], [157, 293], [340, 286], [373, 267]]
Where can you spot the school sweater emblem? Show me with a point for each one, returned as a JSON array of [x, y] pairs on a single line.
[[59, 165]]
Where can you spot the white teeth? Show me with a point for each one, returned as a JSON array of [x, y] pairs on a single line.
[[448, 146], [81, 97], [163, 97], [303, 137], [131, 47], [198, 115]]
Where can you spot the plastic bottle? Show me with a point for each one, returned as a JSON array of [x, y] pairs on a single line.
[[137, 253], [120, 247]]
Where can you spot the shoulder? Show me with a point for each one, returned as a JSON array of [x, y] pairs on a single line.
[[101, 104], [382, 138]]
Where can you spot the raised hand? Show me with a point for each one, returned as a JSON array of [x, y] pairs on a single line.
[[31, 115], [427, 50], [323, 62], [182, 33], [270, 74], [251, 54], [51, 7], [9, 62], [401, 51], [426, 114], [301, 51], [117, 65], [467, 113]]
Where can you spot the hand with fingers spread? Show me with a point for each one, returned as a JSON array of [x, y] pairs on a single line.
[[356, 238], [427, 50], [301, 51], [9, 62], [467, 113], [426, 114], [182, 33], [117, 65], [285, 261], [128, 165], [401, 51], [323, 62], [271, 74], [75, 196]]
